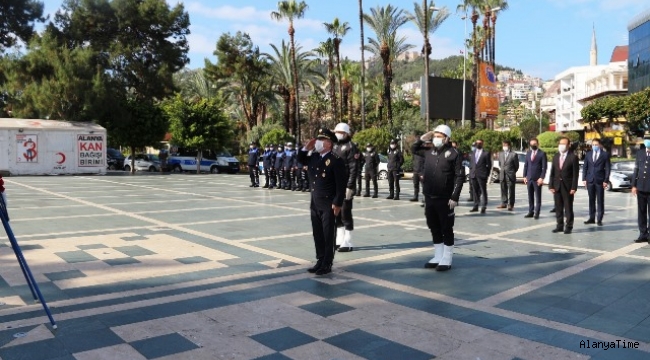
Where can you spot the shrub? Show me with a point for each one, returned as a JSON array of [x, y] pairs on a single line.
[[275, 137], [379, 137]]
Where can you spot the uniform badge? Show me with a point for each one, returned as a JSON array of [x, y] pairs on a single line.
[[447, 153], [327, 163], [343, 147], [323, 174]]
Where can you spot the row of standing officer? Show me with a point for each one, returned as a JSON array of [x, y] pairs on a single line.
[[282, 169]]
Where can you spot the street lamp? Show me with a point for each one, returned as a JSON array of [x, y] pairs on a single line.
[[425, 91], [464, 67]]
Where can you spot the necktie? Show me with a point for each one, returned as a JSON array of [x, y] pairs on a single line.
[[476, 156], [533, 157], [595, 156], [562, 161]]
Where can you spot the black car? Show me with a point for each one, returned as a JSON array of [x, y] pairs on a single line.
[[114, 159], [624, 167]]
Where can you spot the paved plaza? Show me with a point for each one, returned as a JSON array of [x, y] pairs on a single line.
[[203, 267]]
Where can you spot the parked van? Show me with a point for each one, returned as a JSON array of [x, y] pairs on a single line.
[[182, 159]]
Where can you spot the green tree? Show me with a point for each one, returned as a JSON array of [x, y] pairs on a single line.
[[257, 132], [638, 110], [338, 29], [195, 84], [379, 137], [17, 21], [492, 140], [326, 49], [275, 137], [199, 124]]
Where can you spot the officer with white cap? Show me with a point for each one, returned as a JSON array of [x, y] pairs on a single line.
[[346, 150], [443, 177]]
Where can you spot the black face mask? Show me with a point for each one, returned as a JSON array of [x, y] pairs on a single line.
[[479, 146], [534, 147]]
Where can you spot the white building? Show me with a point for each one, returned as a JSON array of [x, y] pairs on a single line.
[[572, 89]]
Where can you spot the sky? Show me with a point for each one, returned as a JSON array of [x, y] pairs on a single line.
[[540, 37]]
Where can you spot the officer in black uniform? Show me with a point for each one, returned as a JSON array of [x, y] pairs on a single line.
[[444, 175], [288, 165], [418, 166], [304, 177], [395, 161], [641, 188], [254, 164], [346, 150], [371, 166], [359, 157], [296, 185], [327, 176], [269, 158], [278, 170]]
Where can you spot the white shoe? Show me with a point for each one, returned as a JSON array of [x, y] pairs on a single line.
[[347, 242], [340, 232], [438, 250], [445, 263]]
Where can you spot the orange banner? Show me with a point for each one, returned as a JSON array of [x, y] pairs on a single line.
[[488, 92]]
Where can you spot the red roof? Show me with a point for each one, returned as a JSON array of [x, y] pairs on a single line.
[[620, 53]]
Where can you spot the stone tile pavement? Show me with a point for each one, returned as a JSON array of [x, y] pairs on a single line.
[[204, 267]]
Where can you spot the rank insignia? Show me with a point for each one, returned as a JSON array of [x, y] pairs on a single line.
[[327, 163], [447, 153]]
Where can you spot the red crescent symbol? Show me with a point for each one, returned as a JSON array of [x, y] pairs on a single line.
[[62, 155]]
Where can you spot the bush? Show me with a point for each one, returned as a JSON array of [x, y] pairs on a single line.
[[408, 163], [257, 133], [378, 137], [275, 137], [492, 140], [550, 139]]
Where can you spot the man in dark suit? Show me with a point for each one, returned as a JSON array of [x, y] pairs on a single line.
[[641, 187], [564, 184], [595, 176], [480, 165], [328, 179], [508, 165], [534, 172]]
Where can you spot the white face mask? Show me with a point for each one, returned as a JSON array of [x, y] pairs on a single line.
[[437, 142], [561, 148], [340, 136], [393, 146], [368, 149], [319, 146], [505, 148]]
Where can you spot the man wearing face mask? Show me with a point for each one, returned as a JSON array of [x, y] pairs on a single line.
[[279, 170], [471, 190], [395, 161], [269, 158], [371, 166], [288, 165], [641, 188], [345, 149], [480, 165], [534, 173], [327, 175], [443, 176], [418, 167], [253, 164], [508, 165], [563, 184], [595, 175]]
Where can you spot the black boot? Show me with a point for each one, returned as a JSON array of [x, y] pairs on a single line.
[[390, 197], [366, 195], [396, 197]]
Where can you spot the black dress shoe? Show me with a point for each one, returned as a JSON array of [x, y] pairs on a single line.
[[641, 240], [265, 187], [252, 185], [413, 199], [557, 230], [390, 197], [443, 267], [474, 209], [325, 269], [590, 221], [536, 216], [366, 195], [315, 268], [600, 223], [552, 210], [396, 197], [346, 249], [568, 231], [422, 205], [375, 196], [482, 210], [529, 215], [336, 247]]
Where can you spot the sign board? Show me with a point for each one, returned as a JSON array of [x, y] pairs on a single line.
[[90, 150], [26, 148], [488, 92], [618, 141]]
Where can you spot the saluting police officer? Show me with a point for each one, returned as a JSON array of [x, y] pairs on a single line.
[[254, 164], [418, 167], [288, 165], [371, 166], [346, 150], [444, 175], [395, 161], [641, 188], [327, 175], [279, 170], [269, 158]]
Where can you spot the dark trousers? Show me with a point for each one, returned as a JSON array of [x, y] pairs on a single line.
[[393, 181], [274, 177], [440, 220], [563, 206], [416, 185], [508, 191], [471, 190], [324, 229], [297, 182], [254, 173], [370, 176], [288, 178], [359, 183], [280, 175], [596, 193], [534, 197], [267, 176], [345, 216], [479, 186], [643, 202], [304, 176]]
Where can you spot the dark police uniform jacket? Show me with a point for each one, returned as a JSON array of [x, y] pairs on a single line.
[[371, 162], [327, 178], [269, 159], [289, 159], [253, 157], [443, 171], [395, 159], [279, 159], [347, 151], [641, 178]]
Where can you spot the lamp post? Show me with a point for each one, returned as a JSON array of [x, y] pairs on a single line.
[[464, 67], [425, 91]]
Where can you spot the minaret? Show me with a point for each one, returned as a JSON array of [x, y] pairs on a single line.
[[593, 53]]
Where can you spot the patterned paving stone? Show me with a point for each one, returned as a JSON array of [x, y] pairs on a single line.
[[283, 339], [165, 345]]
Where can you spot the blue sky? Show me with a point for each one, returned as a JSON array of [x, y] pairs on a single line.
[[540, 37]]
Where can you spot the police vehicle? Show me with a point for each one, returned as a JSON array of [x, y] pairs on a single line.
[[214, 162]]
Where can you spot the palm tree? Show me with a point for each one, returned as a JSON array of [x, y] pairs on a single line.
[[474, 6], [427, 23], [194, 84], [351, 78], [338, 30], [363, 69], [385, 21], [493, 4], [326, 50], [376, 92], [292, 10]]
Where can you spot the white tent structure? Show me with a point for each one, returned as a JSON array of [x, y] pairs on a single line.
[[50, 147]]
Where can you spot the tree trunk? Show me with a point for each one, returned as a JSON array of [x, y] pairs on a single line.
[[132, 159], [292, 112], [427, 52], [363, 70], [475, 70], [296, 114], [333, 102], [286, 98], [337, 43], [494, 37], [199, 157]]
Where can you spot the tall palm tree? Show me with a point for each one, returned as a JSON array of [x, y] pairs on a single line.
[[376, 94], [292, 10], [427, 23], [503, 4], [350, 79], [474, 6], [326, 50], [385, 21], [338, 29], [363, 69]]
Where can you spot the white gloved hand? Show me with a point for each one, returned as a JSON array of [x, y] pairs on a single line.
[[348, 194], [427, 137], [452, 204]]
